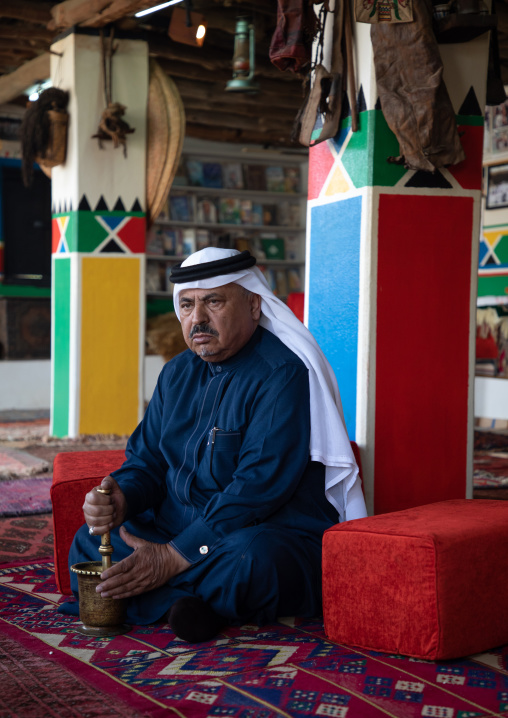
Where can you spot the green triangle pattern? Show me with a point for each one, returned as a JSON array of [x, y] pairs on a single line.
[[501, 250], [365, 157], [90, 232]]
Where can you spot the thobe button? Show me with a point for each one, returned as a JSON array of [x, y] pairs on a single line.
[[203, 550], [218, 369]]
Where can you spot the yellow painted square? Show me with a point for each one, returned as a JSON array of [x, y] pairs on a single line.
[[110, 323]]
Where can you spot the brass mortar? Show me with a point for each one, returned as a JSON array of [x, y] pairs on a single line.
[[99, 616]]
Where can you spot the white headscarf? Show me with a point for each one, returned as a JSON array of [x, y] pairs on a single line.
[[329, 442]]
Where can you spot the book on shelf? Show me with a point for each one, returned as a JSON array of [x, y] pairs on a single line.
[[246, 211], [172, 240], [229, 211], [255, 177], [180, 208], [273, 247], [212, 175], [194, 173], [203, 239], [294, 280], [269, 214], [275, 179], [270, 277], [291, 179], [257, 214], [154, 241], [180, 178], [189, 241], [293, 247], [225, 241], [281, 282], [288, 214], [232, 175], [206, 211], [154, 277], [164, 213], [242, 244], [256, 248]]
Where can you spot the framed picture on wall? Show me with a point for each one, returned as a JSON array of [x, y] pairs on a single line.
[[497, 186]]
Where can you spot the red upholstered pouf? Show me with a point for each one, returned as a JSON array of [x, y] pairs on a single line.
[[430, 582], [74, 474]]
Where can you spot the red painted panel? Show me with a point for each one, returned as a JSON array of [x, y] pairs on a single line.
[[320, 163], [55, 235], [133, 234], [469, 172], [422, 350]]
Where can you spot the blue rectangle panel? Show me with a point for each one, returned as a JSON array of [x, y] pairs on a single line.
[[334, 291]]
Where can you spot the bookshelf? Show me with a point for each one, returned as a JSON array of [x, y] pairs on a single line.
[[240, 198]]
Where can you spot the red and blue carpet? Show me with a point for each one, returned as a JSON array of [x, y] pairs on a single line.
[[286, 669]]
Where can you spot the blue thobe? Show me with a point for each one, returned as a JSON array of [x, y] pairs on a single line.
[[219, 468]]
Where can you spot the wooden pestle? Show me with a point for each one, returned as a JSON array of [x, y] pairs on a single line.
[[105, 549]]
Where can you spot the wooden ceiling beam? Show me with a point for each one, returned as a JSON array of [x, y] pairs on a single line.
[[224, 134], [27, 10], [212, 56], [21, 31], [197, 72], [262, 119], [216, 94], [227, 119], [94, 13], [15, 83]]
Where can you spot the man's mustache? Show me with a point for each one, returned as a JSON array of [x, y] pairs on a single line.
[[203, 329]]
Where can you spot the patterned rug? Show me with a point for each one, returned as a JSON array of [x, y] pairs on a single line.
[[26, 537], [490, 440], [15, 463], [287, 669], [25, 497], [490, 469]]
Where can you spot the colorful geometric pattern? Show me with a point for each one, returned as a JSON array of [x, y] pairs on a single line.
[[287, 669], [493, 262], [352, 160], [98, 232], [494, 248]]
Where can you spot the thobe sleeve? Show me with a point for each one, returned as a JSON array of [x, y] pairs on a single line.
[[273, 456], [142, 476]]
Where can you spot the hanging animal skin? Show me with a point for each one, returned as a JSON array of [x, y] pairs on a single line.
[[373, 11], [113, 127], [44, 132], [413, 94]]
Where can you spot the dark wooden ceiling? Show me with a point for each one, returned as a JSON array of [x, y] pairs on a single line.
[[28, 27]]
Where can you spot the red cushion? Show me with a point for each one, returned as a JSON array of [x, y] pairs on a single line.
[[427, 582], [74, 474]]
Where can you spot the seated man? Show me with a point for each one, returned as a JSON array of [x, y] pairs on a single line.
[[238, 466]]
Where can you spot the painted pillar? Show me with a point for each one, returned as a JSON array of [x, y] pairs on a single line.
[[98, 285], [391, 288]]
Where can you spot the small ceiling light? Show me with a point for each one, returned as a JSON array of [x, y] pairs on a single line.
[[243, 58], [187, 27], [34, 91], [141, 13]]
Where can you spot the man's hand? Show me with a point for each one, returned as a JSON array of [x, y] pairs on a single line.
[[151, 565], [105, 512]]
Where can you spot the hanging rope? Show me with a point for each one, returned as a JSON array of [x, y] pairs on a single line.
[[111, 126]]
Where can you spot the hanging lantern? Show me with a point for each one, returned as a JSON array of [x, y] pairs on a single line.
[[243, 58]]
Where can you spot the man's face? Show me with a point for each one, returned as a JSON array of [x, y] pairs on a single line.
[[217, 323]]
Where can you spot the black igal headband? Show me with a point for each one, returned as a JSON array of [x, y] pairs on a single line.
[[194, 272]]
